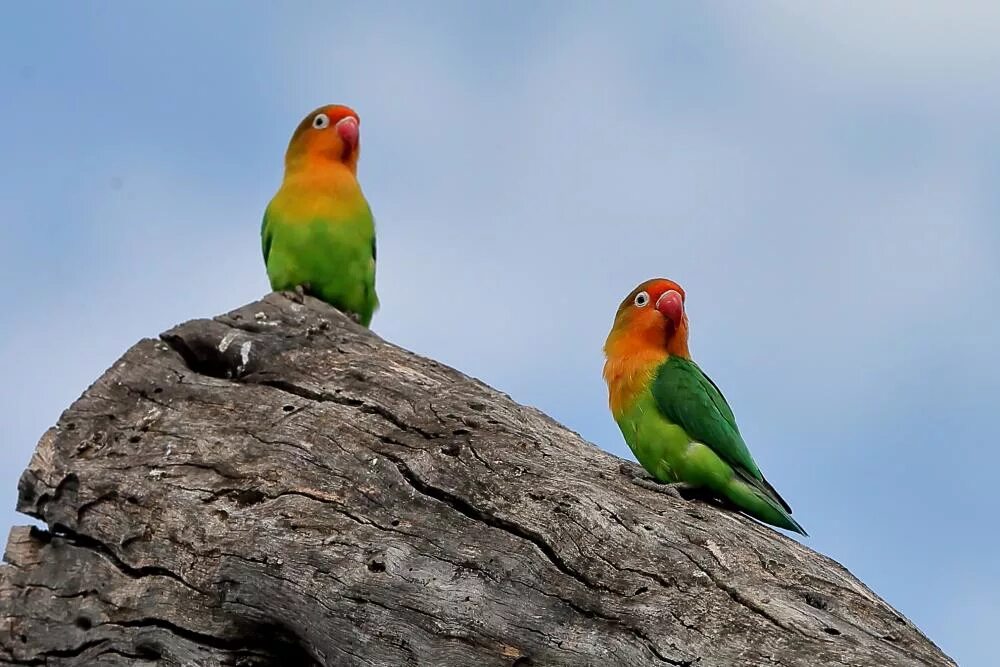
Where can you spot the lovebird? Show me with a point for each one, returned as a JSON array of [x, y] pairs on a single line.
[[673, 417], [318, 233]]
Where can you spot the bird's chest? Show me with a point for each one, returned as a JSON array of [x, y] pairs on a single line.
[[656, 442]]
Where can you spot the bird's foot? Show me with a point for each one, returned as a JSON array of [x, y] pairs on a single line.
[[354, 316], [638, 476], [295, 295], [679, 490], [298, 294], [632, 470]]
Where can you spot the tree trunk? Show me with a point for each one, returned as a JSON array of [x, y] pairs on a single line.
[[279, 486]]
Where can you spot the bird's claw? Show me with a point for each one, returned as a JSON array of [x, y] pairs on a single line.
[[673, 489], [641, 478], [297, 294], [632, 470]]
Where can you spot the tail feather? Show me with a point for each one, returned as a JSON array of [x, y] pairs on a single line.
[[759, 500], [774, 494]]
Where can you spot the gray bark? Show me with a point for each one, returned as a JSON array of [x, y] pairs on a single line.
[[279, 486]]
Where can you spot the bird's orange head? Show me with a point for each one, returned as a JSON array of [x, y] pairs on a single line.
[[329, 134], [652, 316], [650, 326]]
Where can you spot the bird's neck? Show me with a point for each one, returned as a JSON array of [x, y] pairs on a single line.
[[630, 364], [321, 176], [326, 188], [628, 370]]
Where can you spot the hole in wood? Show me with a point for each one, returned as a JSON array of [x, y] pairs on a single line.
[[817, 601]]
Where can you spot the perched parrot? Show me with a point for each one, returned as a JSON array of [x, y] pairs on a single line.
[[673, 417], [318, 233]]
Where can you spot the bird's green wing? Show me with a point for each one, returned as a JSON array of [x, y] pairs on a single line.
[[688, 398]]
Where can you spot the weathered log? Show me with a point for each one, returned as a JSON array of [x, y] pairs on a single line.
[[279, 486]]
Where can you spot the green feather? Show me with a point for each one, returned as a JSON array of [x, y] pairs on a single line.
[[681, 429], [687, 397], [333, 259]]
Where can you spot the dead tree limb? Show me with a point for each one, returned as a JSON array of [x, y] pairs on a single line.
[[278, 486]]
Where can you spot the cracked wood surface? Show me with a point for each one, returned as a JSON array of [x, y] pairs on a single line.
[[278, 486]]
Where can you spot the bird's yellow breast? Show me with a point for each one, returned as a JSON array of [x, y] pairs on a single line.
[[330, 193]]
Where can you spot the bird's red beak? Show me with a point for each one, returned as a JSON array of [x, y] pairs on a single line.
[[671, 306], [348, 131]]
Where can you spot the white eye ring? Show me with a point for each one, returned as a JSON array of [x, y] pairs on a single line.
[[642, 299], [321, 121]]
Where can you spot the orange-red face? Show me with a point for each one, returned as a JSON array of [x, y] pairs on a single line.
[[653, 313], [332, 132]]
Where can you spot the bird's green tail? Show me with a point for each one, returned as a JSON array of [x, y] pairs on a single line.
[[752, 498]]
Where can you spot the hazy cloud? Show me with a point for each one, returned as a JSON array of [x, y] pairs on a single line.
[[821, 180]]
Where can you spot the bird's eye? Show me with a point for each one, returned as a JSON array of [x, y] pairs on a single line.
[[321, 121], [641, 299]]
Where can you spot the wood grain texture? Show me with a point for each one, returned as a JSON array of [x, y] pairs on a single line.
[[279, 486]]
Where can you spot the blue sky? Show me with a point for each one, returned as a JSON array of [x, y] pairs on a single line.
[[821, 179]]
